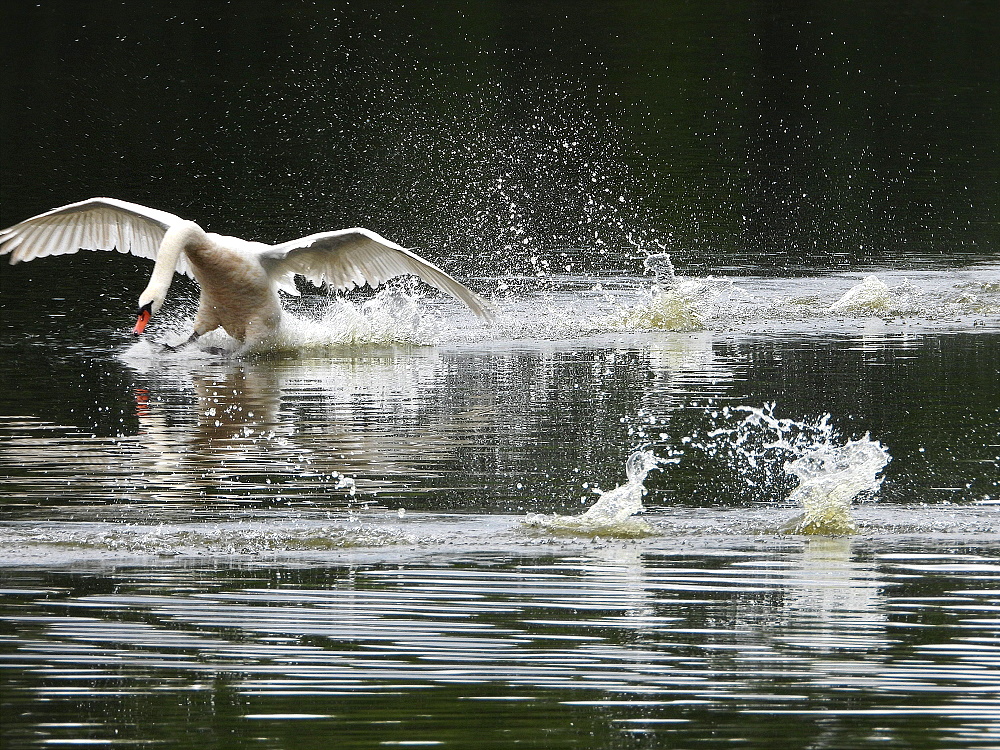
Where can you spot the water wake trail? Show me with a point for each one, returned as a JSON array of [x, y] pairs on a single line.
[[560, 307]]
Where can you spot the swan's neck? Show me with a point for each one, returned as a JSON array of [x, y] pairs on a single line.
[[177, 238]]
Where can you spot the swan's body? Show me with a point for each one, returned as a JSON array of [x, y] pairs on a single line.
[[239, 280]]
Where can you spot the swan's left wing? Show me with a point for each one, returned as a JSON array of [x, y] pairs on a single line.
[[93, 224], [349, 258]]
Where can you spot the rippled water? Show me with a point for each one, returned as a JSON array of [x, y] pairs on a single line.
[[475, 635], [330, 543]]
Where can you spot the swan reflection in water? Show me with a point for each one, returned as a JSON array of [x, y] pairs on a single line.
[[252, 431]]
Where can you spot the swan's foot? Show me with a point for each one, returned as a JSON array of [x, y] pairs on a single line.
[[190, 340], [214, 350]]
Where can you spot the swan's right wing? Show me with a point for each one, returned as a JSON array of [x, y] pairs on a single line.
[[349, 258], [93, 224]]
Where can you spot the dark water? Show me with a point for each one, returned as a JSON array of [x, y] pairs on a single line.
[[336, 543]]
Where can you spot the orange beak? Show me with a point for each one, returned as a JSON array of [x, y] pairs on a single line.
[[140, 325]]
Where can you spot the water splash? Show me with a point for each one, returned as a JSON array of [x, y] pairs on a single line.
[[393, 316], [830, 477], [683, 306], [613, 513], [870, 296], [874, 298], [672, 303], [662, 266], [831, 472]]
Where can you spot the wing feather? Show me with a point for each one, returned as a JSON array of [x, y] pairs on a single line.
[[350, 258], [93, 224]]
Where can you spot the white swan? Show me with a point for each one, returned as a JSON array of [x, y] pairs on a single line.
[[239, 279]]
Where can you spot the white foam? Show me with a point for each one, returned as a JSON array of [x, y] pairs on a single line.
[[390, 317], [871, 295]]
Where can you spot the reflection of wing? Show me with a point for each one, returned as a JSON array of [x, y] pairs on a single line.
[[94, 224], [353, 257]]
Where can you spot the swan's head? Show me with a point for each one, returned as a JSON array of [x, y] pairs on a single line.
[[148, 307]]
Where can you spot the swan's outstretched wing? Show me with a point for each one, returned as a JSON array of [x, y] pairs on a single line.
[[94, 224], [349, 258]]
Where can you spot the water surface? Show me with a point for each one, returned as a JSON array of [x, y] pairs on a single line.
[[330, 544]]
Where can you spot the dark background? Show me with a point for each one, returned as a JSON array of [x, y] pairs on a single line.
[[738, 135]]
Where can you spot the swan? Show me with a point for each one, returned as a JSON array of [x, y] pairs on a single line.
[[239, 279]]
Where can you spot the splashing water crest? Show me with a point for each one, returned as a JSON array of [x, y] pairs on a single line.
[[683, 306], [613, 513], [830, 477], [662, 265], [871, 295], [764, 449], [874, 298], [670, 304], [392, 316]]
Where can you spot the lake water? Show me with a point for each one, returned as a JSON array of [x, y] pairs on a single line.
[[373, 535]]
